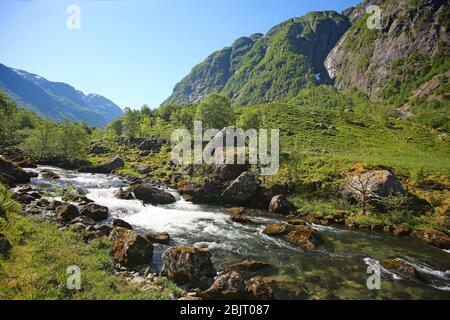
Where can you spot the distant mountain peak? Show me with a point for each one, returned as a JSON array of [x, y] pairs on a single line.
[[56, 100]]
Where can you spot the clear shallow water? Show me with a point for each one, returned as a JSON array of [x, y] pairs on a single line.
[[337, 270]]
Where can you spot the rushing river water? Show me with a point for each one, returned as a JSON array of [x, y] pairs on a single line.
[[337, 270]]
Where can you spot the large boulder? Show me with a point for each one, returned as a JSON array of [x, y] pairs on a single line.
[[96, 148], [280, 204], [130, 249], [305, 237], [188, 266], [278, 229], [49, 174], [225, 171], [435, 238], [122, 224], [206, 192], [219, 141], [67, 212], [241, 189], [372, 184], [5, 246], [95, 212], [11, 173], [152, 144], [229, 286], [124, 194], [158, 237], [151, 194], [113, 164], [402, 268], [259, 289]]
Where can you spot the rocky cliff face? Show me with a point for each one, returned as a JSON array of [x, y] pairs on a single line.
[[275, 66], [367, 59]]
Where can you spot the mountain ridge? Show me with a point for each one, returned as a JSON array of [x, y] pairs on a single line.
[[56, 100], [326, 47]]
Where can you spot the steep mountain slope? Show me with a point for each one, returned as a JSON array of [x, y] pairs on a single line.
[[56, 100], [413, 33], [275, 66]]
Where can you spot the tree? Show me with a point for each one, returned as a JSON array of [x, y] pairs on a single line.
[[7, 109], [250, 120], [184, 117], [116, 126], [41, 141], [361, 185], [71, 140], [130, 123], [215, 112]]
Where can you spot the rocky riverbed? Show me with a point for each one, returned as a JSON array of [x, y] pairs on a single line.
[[214, 252]]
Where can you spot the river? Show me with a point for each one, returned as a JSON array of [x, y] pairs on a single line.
[[336, 270]]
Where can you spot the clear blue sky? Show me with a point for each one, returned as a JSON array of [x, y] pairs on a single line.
[[133, 52]]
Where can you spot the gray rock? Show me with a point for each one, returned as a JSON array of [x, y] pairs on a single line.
[[280, 204], [188, 266], [67, 212], [241, 189], [5, 246], [95, 212], [130, 248]]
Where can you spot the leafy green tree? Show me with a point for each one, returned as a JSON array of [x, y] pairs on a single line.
[[146, 111], [165, 111], [7, 109], [116, 126], [215, 111], [41, 141], [130, 123], [184, 117], [71, 140], [252, 119]]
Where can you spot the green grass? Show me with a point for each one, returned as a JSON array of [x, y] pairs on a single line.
[[41, 255]]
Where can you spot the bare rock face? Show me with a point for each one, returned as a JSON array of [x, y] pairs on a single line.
[[364, 58], [130, 248], [188, 266]]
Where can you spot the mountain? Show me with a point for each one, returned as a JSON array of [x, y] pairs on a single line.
[[263, 68], [56, 100], [331, 48], [412, 34]]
